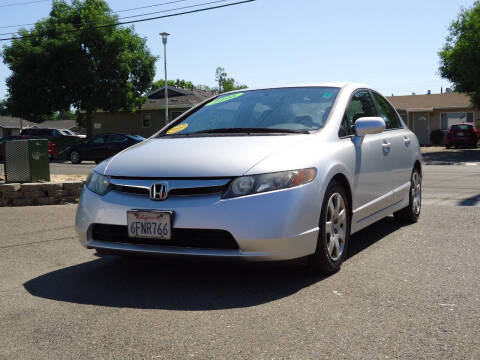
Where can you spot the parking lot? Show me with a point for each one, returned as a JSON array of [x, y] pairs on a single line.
[[404, 292]]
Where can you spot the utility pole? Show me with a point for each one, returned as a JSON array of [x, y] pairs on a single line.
[[164, 41]]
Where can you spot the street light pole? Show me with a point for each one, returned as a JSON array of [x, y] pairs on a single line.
[[164, 41]]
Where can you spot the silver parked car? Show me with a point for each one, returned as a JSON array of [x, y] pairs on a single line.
[[266, 174]]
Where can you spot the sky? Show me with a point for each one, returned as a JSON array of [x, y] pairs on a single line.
[[390, 45]]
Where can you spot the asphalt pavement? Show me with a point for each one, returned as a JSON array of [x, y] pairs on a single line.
[[405, 292], [67, 168]]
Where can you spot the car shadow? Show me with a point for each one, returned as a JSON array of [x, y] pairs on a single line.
[[184, 284], [451, 157], [471, 201]]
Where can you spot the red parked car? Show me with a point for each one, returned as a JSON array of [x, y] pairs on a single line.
[[52, 148], [462, 134]]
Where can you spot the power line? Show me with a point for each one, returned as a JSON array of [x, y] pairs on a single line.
[[135, 21], [150, 6], [117, 11], [23, 3], [145, 14]]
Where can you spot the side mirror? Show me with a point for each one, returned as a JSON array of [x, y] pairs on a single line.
[[369, 125]]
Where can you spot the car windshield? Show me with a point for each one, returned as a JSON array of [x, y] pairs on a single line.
[[283, 110]]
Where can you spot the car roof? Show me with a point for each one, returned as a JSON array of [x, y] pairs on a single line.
[[469, 124], [340, 85]]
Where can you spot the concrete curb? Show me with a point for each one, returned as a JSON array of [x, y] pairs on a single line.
[[40, 193]]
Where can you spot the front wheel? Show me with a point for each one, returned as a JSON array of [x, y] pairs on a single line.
[[411, 213], [334, 232]]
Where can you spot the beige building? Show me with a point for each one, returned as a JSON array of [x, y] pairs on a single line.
[[151, 117], [425, 113]]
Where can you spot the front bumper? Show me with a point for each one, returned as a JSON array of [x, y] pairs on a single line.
[[279, 225]]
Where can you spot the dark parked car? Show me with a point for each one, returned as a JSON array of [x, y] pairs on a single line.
[[52, 149], [61, 141], [462, 134], [100, 147]]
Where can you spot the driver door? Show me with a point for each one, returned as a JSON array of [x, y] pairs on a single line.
[[96, 148], [372, 188]]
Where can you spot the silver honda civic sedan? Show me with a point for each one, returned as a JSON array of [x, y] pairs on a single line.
[[265, 174]]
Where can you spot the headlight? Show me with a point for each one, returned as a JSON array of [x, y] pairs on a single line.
[[247, 185], [99, 184]]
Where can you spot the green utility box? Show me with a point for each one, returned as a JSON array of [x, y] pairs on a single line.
[[27, 160]]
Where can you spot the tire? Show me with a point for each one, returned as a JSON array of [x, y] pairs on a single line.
[[331, 251], [75, 157], [411, 213]]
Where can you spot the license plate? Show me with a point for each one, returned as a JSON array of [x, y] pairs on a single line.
[[460, 134], [149, 224]]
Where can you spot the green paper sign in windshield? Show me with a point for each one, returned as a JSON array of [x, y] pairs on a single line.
[[224, 98]]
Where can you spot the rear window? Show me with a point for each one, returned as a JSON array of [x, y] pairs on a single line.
[[462, 127], [38, 132]]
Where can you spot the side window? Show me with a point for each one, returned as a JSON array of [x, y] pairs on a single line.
[[345, 128], [386, 112], [116, 138], [98, 140], [361, 105]]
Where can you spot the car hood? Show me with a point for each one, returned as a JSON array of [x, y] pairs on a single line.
[[215, 156]]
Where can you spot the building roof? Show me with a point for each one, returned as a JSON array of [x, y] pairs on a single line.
[[430, 102], [9, 122], [181, 98], [58, 124]]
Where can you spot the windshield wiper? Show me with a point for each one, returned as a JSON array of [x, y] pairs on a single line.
[[249, 131]]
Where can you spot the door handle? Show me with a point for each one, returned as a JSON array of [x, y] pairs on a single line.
[[386, 147], [407, 141]]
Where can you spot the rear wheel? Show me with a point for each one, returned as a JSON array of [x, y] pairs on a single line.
[[411, 213], [75, 157], [334, 231]]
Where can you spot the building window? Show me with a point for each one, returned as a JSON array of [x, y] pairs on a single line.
[[176, 114], [147, 121], [451, 118]]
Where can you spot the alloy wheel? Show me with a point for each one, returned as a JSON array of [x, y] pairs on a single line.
[[74, 157], [336, 226], [416, 192]]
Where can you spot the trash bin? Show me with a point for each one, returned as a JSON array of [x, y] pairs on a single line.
[[27, 160]]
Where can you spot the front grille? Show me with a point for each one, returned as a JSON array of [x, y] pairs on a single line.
[[131, 189], [192, 238], [174, 192]]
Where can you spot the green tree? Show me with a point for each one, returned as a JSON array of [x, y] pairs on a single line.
[[65, 115], [77, 57], [220, 75], [180, 83], [229, 84], [225, 83], [3, 108], [460, 56]]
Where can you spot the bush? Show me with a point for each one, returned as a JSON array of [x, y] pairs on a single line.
[[437, 137]]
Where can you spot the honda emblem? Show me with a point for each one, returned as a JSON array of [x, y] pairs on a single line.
[[158, 191]]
